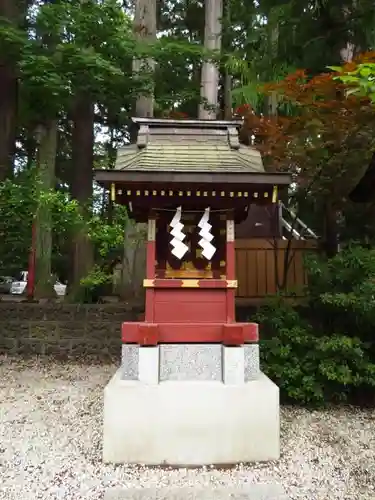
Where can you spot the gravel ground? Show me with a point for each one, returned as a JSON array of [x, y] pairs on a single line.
[[50, 443]]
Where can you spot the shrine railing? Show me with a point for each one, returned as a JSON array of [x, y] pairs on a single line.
[[261, 269]]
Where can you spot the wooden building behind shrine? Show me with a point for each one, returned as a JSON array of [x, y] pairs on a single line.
[[269, 251]]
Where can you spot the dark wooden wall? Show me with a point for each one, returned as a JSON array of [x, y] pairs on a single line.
[[260, 267], [262, 222]]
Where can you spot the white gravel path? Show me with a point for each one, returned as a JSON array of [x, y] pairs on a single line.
[[50, 443]]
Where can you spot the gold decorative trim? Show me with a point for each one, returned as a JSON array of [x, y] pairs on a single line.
[[188, 274], [147, 283], [113, 192], [274, 194], [231, 194], [232, 284], [190, 284]]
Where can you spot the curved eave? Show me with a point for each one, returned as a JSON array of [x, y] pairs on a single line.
[[106, 177]]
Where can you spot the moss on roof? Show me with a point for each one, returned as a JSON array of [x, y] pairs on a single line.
[[180, 147]]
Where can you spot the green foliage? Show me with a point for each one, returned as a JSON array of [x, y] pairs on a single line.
[[108, 237], [94, 285], [324, 352], [361, 81], [77, 48], [96, 278], [12, 39], [343, 291], [17, 204]]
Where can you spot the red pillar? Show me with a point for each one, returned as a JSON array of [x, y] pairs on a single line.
[[150, 267], [230, 267]]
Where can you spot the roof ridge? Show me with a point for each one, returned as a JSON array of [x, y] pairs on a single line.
[[181, 153]]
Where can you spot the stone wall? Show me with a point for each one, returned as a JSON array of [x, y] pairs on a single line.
[[63, 329]]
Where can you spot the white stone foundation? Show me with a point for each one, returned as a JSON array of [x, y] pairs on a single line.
[[190, 422], [233, 362], [148, 365]]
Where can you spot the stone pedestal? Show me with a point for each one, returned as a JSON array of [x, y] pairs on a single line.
[[190, 405], [191, 362]]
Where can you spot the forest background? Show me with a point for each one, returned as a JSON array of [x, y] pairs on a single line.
[[72, 73]]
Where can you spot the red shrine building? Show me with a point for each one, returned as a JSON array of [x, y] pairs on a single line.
[[191, 182]]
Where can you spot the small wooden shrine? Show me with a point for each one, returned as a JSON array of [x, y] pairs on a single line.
[[191, 181]]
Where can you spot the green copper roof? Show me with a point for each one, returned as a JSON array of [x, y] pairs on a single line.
[[188, 146]]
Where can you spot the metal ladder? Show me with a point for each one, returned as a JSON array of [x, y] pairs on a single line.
[[300, 230]]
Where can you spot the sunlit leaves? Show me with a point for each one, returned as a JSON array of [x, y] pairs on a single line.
[[361, 80], [328, 139], [75, 48]]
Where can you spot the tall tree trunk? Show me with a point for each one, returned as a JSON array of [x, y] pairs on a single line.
[[145, 30], [9, 10], [346, 50], [46, 160], [227, 77], [210, 73], [81, 187], [271, 100], [134, 254]]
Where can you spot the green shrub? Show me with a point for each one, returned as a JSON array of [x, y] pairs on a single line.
[[324, 352], [342, 292]]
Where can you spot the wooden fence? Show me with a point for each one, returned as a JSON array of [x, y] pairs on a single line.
[[260, 266]]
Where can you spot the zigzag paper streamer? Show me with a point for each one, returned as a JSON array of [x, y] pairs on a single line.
[[208, 250], [179, 248]]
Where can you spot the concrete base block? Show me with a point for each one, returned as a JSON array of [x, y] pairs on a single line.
[[233, 365], [261, 491], [148, 367], [190, 423]]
